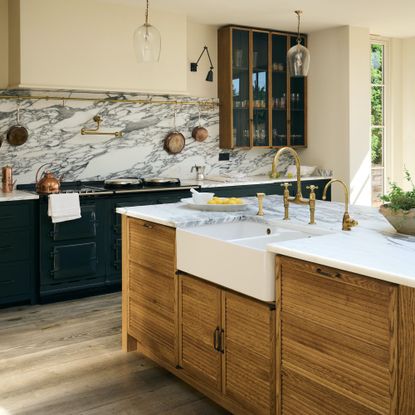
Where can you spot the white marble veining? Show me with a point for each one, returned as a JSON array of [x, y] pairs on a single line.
[[54, 138], [17, 195], [373, 248]]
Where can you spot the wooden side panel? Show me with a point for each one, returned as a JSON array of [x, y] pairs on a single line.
[[249, 346], [339, 331], [152, 246], [225, 87], [406, 349], [199, 318], [152, 312], [128, 343], [152, 289]]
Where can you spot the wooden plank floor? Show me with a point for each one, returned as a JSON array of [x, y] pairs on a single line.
[[65, 358]]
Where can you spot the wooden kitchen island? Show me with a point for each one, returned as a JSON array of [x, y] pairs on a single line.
[[333, 342]]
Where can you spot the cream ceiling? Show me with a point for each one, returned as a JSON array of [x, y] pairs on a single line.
[[395, 18]]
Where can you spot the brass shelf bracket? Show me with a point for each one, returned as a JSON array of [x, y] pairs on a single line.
[[96, 131]]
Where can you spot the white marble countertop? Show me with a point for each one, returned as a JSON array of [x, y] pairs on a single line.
[[17, 195], [373, 248], [223, 181]]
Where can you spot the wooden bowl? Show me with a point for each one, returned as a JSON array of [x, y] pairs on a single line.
[[402, 220]]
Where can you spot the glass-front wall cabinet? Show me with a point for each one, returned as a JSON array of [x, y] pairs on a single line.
[[260, 105]]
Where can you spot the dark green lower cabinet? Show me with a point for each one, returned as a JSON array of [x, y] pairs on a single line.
[[18, 252]]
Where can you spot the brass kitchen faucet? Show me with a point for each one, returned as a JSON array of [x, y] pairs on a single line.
[[298, 198], [347, 222]]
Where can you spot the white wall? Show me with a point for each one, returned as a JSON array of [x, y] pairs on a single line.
[[87, 45], [408, 105], [339, 108], [4, 44], [198, 36]]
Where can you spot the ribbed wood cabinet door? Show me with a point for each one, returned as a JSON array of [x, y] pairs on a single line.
[[199, 328], [338, 350], [151, 290], [249, 345]]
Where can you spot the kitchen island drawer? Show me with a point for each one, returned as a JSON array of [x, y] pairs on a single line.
[[15, 279], [152, 246], [15, 215], [14, 245]]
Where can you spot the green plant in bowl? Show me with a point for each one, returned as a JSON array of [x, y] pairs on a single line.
[[399, 207]]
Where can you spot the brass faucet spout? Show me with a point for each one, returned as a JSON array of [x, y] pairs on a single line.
[[347, 222], [299, 197]]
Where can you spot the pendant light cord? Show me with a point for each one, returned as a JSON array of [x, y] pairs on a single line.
[[298, 13], [147, 13]]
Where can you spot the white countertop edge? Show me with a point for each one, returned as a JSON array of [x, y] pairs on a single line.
[[395, 278], [17, 195], [150, 218]]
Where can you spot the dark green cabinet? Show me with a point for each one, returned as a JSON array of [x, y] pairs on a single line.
[[18, 254], [269, 189]]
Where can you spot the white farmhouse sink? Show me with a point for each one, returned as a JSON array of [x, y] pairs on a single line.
[[235, 256]]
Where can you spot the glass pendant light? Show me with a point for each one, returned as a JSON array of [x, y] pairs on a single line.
[[298, 57], [147, 42]]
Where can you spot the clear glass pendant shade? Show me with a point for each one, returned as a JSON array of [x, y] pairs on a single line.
[[147, 43], [298, 60]]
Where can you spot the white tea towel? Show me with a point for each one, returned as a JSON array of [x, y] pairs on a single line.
[[63, 207]]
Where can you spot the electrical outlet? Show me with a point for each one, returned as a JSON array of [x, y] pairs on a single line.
[[223, 156]]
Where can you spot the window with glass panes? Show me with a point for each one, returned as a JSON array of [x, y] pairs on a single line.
[[377, 120]]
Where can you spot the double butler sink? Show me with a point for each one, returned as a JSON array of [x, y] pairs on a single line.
[[234, 255]]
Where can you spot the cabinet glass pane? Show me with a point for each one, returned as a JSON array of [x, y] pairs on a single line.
[[297, 114], [240, 87], [279, 91], [260, 88]]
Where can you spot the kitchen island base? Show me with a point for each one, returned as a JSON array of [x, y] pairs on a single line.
[[220, 342]]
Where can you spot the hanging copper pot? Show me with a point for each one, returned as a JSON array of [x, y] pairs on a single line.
[[200, 133], [17, 134], [174, 141]]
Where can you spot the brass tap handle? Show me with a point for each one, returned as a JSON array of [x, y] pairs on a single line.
[[348, 223], [260, 197], [312, 203], [286, 199]]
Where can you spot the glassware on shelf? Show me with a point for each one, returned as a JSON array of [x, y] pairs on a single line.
[[238, 57], [283, 101]]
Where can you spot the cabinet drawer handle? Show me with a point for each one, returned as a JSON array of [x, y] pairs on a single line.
[[5, 247], [328, 274], [148, 226], [7, 282], [216, 339]]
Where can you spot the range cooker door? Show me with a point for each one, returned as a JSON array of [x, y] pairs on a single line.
[[72, 261], [84, 227]]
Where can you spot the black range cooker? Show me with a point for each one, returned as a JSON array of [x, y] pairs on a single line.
[[83, 256]]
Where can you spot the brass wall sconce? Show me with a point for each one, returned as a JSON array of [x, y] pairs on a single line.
[[193, 65]]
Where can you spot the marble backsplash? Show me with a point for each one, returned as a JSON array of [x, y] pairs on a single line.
[[54, 137]]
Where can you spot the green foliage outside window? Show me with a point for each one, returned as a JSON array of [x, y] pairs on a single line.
[[377, 102]]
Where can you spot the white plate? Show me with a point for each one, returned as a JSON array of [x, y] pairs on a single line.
[[214, 208]]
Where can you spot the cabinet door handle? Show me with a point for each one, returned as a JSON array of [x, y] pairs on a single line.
[[222, 341], [328, 274], [216, 339]]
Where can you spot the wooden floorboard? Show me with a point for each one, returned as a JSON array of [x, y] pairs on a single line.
[[65, 358]]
